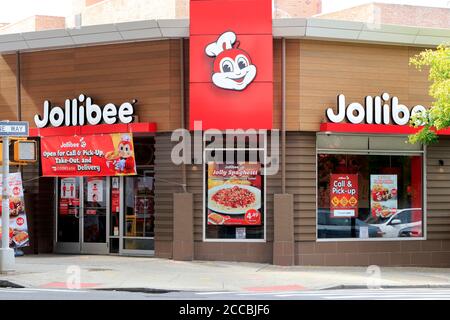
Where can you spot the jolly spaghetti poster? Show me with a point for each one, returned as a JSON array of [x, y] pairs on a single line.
[[234, 194]]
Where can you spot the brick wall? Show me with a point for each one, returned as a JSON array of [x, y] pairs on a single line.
[[34, 23], [394, 14], [414, 253], [92, 2], [297, 8]]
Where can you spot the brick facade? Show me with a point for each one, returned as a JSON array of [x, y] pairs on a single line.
[[297, 8], [384, 13]]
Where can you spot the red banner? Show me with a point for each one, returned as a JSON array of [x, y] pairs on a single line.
[[93, 155], [344, 195]]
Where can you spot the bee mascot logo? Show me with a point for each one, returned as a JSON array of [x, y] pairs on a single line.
[[233, 68]]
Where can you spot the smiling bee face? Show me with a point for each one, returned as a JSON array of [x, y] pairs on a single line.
[[125, 150], [233, 68]]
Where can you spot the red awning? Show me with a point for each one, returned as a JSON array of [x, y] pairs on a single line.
[[141, 127], [372, 128]]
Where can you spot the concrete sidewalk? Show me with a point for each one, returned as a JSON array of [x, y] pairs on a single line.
[[53, 271]]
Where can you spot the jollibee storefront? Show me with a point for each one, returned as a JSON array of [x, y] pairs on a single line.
[[319, 173]]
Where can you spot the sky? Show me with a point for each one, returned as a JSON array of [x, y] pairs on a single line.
[[15, 10]]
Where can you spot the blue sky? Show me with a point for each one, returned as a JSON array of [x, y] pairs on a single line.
[[14, 10]]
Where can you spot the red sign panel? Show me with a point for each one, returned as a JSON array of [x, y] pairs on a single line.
[[94, 155], [344, 195], [231, 64]]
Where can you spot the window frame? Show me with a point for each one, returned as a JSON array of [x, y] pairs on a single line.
[[422, 153]]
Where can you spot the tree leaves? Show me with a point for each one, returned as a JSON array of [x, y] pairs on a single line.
[[438, 116]]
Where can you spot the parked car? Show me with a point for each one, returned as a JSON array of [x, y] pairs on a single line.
[[411, 232], [400, 223], [328, 227]]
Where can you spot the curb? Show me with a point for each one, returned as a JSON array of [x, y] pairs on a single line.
[[419, 286], [9, 284], [139, 290]]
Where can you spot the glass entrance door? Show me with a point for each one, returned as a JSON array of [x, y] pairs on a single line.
[[138, 220], [81, 215], [68, 215], [95, 209]]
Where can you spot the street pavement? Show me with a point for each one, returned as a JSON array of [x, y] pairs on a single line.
[[43, 274], [342, 294]]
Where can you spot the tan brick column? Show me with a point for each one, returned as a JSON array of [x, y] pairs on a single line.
[[283, 240], [183, 226]]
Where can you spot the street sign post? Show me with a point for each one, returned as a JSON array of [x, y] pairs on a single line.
[[14, 129], [8, 129]]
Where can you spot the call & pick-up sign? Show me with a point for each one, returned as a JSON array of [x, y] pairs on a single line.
[[344, 195]]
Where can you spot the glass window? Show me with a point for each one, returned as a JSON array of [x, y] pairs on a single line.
[[139, 220], [94, 217], [234, 195], [369, 196], [392, 143], [68, 210], [348, 142]]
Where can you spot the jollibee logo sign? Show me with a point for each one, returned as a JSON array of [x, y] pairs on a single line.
[[233, 68], [230, 64], [379, 110]]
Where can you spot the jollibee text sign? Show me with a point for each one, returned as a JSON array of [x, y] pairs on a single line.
[[231, 64]]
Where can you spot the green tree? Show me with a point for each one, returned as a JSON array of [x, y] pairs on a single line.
[[438, 116]]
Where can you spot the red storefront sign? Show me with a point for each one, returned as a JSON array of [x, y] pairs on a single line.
[[90, 155], [231, 64], [344, 195]]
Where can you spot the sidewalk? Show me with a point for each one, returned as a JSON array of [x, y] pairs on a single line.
[[51, 271]]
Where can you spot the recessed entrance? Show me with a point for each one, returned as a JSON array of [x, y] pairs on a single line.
[[108, 215]]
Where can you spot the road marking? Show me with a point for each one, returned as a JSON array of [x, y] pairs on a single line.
[[33, 290], [285, 288], [15, 291], [59, 290], [63, 285], [271, 293], [215, 292]]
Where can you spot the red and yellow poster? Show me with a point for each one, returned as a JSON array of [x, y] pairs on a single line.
[[344, 195], [93, 155], [18, 227], [235, 194], [383, 191]]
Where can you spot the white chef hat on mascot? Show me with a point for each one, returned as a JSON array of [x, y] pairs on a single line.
[[225, 42], [125, 138]]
